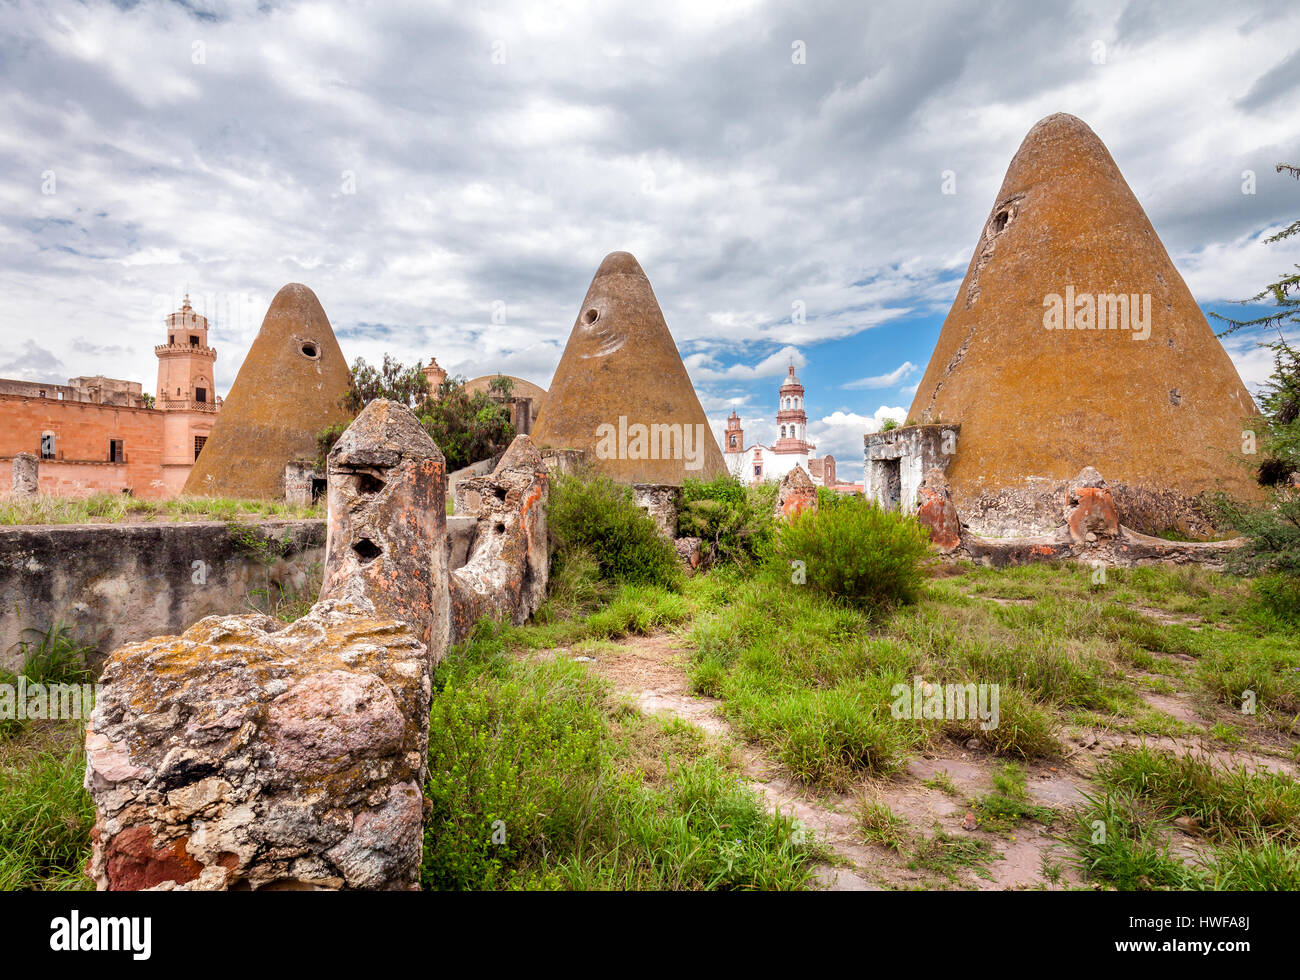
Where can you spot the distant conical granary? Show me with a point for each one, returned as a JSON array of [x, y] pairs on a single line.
[[1074, 342], [621, 391], [287, 391]]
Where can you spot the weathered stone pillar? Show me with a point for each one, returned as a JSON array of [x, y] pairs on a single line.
[[937, 512], [249, 754], [797, 493], [508, 567], [388, 521], [662, 501], [297, 482], [26, 475]]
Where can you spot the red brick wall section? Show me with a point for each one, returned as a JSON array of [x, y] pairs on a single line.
[[82, 433]]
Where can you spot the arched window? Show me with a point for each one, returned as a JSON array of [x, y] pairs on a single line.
[[48, 445], [783, 432]]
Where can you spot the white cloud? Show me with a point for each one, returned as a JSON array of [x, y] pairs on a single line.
[[841, 433], [773, 206], [885, 380], [772, 366]]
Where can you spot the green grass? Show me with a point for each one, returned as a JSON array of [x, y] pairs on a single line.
[[1009, 802], [812, 678], [627, 610], [116, 508], [541, 779], [45, 814], [946, 855], [53, 656], [880, 825], [942, 782], [1246, 824]]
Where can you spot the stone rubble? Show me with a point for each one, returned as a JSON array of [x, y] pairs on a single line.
[[247, 754], [509, 561]]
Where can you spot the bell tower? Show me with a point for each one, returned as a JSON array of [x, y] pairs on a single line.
[[187, 393], [734, 441], [791, 419], [186, 376]]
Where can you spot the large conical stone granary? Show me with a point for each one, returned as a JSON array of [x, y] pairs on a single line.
[[621, 392], [287, 390], [1074, 342]]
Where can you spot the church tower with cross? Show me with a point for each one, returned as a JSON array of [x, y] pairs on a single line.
[[759, 462]]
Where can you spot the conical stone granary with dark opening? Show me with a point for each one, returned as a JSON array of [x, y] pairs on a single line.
[[621, 392], [1073, 341], [288, 389]]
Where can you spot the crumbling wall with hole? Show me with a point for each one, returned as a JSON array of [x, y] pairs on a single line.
[[387, 501], [898, 460]]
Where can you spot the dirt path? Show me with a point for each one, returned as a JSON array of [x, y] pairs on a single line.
[[651, 672], [932, 795]]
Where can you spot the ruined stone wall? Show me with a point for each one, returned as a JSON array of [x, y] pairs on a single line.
[[509, 561], [1034, 507], [897, 461], [116, 583], [662, 502], [1083, 525]]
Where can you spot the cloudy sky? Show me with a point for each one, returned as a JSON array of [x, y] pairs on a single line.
[[422, 166]]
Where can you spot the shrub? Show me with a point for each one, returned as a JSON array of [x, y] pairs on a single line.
[[1273, 530], [594, 514], [738, 521], [1279, 594], [858, 552]]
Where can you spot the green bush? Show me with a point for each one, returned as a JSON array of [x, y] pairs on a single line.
[[1272, 529], [856, 551], [738, 522], [596, 515], [1279, 594]]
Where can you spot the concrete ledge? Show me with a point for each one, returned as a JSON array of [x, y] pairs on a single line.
[[113, 584], [1128, 548]]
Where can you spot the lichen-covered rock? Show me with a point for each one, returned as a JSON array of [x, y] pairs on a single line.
[[937, 512], [507, 570], [1090, 511], [690, 552], [796, 493], [245, 753], [249, 754]]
